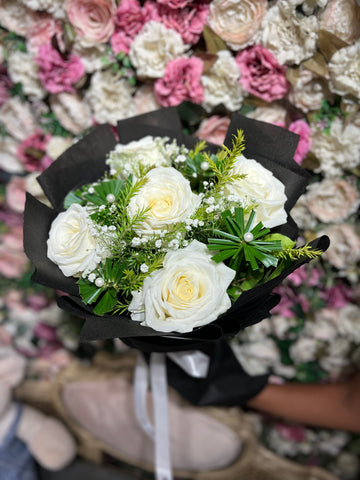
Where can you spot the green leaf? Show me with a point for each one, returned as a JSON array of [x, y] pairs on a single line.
[[88, 291], [106, 303], [72, 197]]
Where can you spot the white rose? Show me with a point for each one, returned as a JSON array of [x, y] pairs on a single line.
[[292, 39], [153, 48], [188, 292], [221, 83], [169, 196], [110, 97], [70, 244], [24, 70], [237, 22], [344, 70], [139, 155], [260, 188]]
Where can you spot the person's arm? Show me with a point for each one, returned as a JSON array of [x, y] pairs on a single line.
[[329, 405]]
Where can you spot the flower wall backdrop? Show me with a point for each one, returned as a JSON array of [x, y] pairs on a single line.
[[68, 66]]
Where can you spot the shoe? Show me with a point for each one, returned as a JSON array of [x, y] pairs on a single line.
[[207, 443]]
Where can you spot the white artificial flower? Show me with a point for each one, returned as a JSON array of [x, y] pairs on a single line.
[[291, 38], [257, 332], [261, 189], [237, 22], [54, 7], [72, 112], [91, 55], [23, 69], [15, 16], [9, 161], [221, 83], [33, 186], [321, 328], [169, 196], [57, 146], [349, 322], [302, 215], [153, 47], [110, 97], [281, 325], [342, 19], [344, 70], [304, 350], [188, 292], [309, 91], [17, 117], [70, 244], [272, 113], [336, 356], [139, 156], [337, 150], [145, 100], [257, 357]]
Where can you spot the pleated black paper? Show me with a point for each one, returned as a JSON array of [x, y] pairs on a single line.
[[84, 162]]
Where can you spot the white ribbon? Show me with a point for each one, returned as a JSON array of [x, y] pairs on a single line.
[[195, 364]]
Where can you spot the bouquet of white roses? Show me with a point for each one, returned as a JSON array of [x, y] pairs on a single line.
[[160, 235]]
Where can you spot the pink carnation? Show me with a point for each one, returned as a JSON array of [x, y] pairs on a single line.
[[213, 129], [261, 73], [130, 17], [337, 296], [31, 152], [15, 193], [93, 19], [305, 276], [175, 3], [5, 85], [56, 73], [303, 129], [288, 299], [188, 21], [120, 42], [181, 81], [13, 260], [43, 28]]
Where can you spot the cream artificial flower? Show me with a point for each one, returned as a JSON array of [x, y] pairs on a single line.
[[309, 91], [18, 118], [23, 69], [168, 195], [344, 70], [188, 292], [292, 39], [91, 54], [221, 83], [54, 7], [110, 97], [153, 47], [261, 189], [342, 19], [72, 112]]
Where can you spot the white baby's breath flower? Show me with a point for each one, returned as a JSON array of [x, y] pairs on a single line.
[[153, 47], [261, 188], [221, 83], [168, 195], [291, 38], [337, 150], [70, 244], [188, 292], [237, 22], [139, 156], [23, 69], [72, 112], [110, 97], [344, 69]]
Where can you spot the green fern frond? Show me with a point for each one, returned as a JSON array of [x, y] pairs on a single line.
[[298, 253]]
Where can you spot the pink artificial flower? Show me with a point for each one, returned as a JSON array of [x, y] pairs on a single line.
[[93, 19], [188, 21], [56, 73], [9, 217], [5, 85], [120, 42], [31, 152], [130, 18], [37, 301], [15, 193], [288, 299], [261, 73], [292, 433], [175, 3], [303, 129], [305, 275], [181, 81], [45, 332], [213, 129], [41, 31], [337, 296], [13, 260]]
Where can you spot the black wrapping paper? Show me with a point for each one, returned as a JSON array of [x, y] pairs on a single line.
[[84, 162]]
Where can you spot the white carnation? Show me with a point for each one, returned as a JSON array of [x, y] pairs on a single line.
[[91, 54], [257, 357], [17, 117], [304, 350], [72, 112], [188, 292], [221, 83], [344, 70], [291, 38], [309, 91], [153, 47], [15, 16], [8, 156], [342, 19], [110, 97], [349, 322], [275, 114], [57, 146], [139, 156], [54, 7], [337, 151], [23, 69]]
